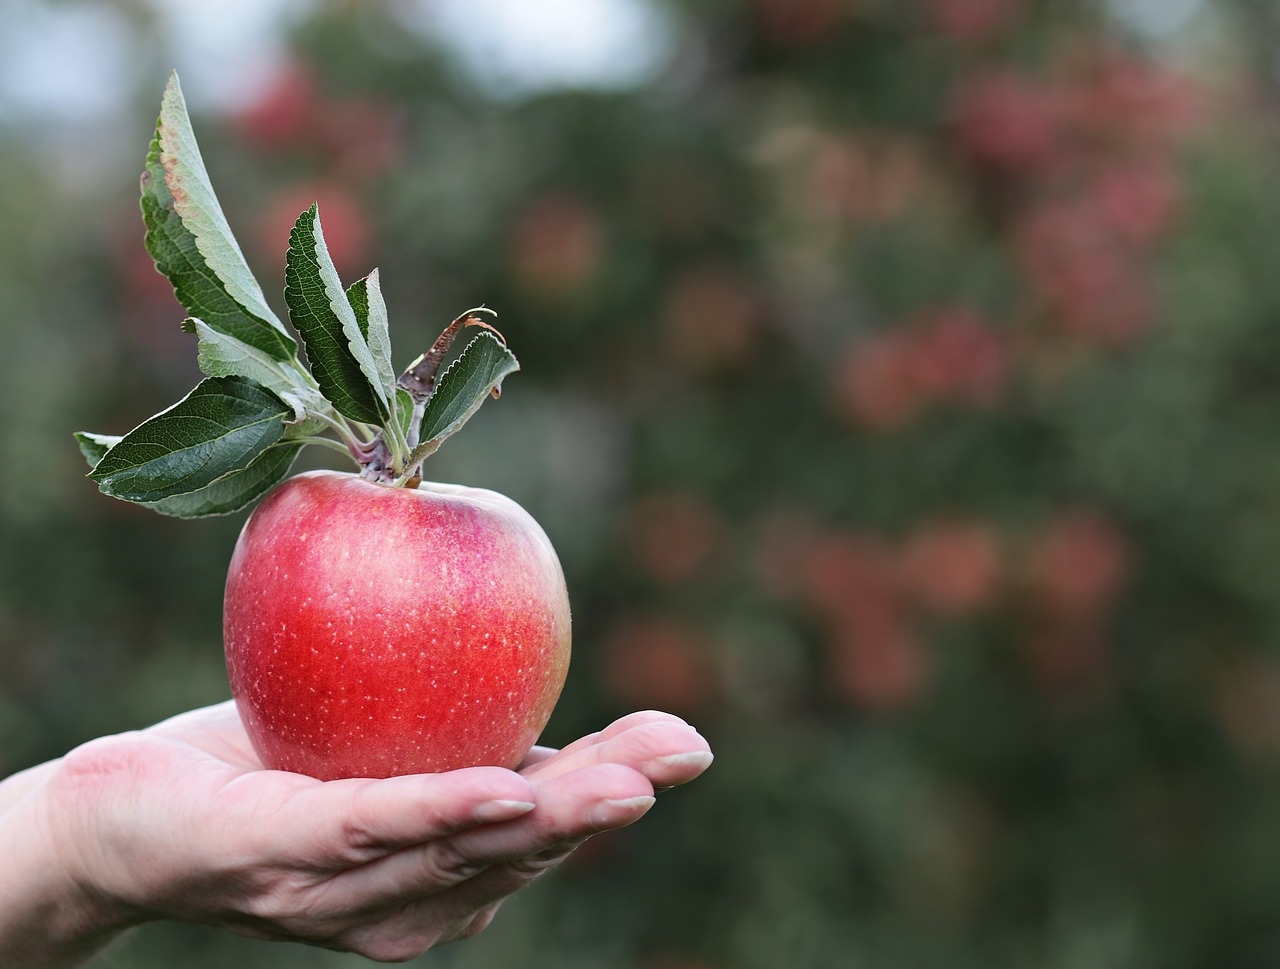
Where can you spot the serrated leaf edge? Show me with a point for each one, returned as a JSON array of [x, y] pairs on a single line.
[[346, 315], [430, 446], [105, 485]]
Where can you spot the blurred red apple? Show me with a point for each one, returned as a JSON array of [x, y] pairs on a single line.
[[374, 630]]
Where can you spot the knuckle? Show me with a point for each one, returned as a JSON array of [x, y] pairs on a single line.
[[532, 866], [478, 923], [358, 830], [271, 904], [357, 833], [449, 864]]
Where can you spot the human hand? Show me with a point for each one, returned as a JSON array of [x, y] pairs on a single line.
[[181, 821]]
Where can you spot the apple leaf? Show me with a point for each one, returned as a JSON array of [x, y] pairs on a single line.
[[339, 356], [237, 433], [94, 446], [228, 494], [366, 299], [358, 297], [405, 413], [220, 354], [216, 430], [462, 388], [233, 491], [191, 242]]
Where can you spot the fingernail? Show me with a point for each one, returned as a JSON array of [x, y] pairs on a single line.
[[698, 759], [621, 811], [488, 812]]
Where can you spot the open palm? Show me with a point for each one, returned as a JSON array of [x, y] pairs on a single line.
[[182, 821]]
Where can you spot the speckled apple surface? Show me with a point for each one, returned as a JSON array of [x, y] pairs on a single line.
[[372, 631]]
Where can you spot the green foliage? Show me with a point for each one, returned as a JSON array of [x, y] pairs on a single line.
[[207, 455], [223, 425], [336, 344], [476, 375], [191, 242], [234, 490]]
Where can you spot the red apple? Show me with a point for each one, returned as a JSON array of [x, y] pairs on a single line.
[[374, 630]]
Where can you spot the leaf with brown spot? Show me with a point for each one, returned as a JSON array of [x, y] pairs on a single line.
[[191, 242]]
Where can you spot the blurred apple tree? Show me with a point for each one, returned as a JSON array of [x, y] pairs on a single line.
[[900, 388]]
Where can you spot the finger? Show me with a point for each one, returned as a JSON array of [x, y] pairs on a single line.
[[536, 756], [415, 928], [487, 890], [667, 751], [476, 923], [464, 910], [569, 808], [498, 881], [615, 728], [639, 718], [351, 822]]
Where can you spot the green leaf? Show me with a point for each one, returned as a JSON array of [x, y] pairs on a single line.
[[219, 355], [358, 297], [217, 429], [320, 311], [191, 242], [404, 411], [223, 355], [234, 491], [475, 375], [94, 446], [371, 315]]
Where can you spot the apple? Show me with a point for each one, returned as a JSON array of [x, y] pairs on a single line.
[[373, 630], [373, 625]]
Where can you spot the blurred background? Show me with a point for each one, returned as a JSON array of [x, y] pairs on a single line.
[[900, 388]]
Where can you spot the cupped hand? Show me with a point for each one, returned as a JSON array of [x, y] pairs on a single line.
[[182, 821]]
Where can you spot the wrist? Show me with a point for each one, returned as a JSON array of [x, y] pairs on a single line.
[[52, 915]]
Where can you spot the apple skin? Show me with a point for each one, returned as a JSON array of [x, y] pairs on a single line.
[[372, 631]]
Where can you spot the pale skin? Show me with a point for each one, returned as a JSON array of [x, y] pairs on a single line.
[[181, 821]]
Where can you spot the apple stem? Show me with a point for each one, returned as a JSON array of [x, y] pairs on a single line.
[[335, 421], [395, 436], [415, 422], [326, 441]]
